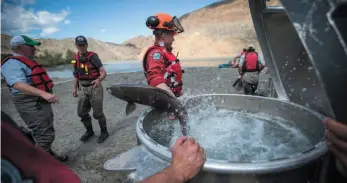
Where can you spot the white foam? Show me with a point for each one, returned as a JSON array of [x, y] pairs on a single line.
[[235, 136]]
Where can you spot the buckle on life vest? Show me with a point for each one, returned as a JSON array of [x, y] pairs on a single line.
[[177, 85]]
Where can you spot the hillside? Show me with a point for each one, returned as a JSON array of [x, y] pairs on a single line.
[[106, 51], [217, 30]]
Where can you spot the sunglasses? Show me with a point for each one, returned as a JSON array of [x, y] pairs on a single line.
[[81, 45], [32, 46]]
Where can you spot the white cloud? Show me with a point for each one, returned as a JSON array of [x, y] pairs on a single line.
[[103, 30], [16, 19], [67, 22], [49, 31]]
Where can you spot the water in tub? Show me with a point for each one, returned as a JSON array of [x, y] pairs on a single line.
[[234, 136]]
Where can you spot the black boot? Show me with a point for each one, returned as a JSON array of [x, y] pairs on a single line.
[[89, 133], [104, 134], [61, 157]]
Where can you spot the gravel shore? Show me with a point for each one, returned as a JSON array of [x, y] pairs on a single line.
[[87, 159]]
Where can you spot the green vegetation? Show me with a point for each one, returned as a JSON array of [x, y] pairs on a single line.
[[3, 56], [50, 59]]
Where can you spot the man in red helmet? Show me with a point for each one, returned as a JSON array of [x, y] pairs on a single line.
[[162, 68]]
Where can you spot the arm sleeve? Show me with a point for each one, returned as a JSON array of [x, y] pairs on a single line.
[[155, 68], [261, 59], [242, 60], [96, 61], [13, 72]]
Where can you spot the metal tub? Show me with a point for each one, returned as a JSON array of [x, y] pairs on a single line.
[[152, 156]]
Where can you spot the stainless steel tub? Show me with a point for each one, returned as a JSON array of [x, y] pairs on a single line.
[[297, 168]]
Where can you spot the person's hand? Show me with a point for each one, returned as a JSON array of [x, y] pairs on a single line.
[[165, 87], [50, 97], [96, 83], [336, 135], [74, 92], [187, 158]]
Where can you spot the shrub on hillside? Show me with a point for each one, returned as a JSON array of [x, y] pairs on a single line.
[[51, 59], [3, 56]]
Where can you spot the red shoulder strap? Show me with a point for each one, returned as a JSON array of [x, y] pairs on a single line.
[[90, 54], [75, 56], [30, 63]]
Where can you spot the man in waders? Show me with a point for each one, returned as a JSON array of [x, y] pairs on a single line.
[[250, 65], [89, 73], [32, 93], [161, 68]]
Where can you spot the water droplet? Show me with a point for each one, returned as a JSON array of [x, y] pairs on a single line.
[[304, 89], [292, 90], [310, 68], [294, 68]]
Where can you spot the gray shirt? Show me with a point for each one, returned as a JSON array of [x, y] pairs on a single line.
[[260, 59]]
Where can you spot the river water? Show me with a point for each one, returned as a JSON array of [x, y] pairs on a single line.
[[65, 71]]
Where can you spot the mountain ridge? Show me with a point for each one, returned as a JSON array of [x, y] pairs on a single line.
[[220, 29]]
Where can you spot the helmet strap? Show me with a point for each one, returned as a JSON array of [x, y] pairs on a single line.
[[161, 43]]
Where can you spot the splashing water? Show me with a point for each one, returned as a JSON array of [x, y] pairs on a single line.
[[234, 136]]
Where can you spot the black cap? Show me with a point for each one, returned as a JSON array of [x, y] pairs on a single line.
[[80, 40]]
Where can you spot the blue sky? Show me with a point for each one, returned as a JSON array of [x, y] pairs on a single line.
[[106, 20]]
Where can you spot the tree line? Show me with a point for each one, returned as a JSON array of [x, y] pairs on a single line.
[[48, 59]]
